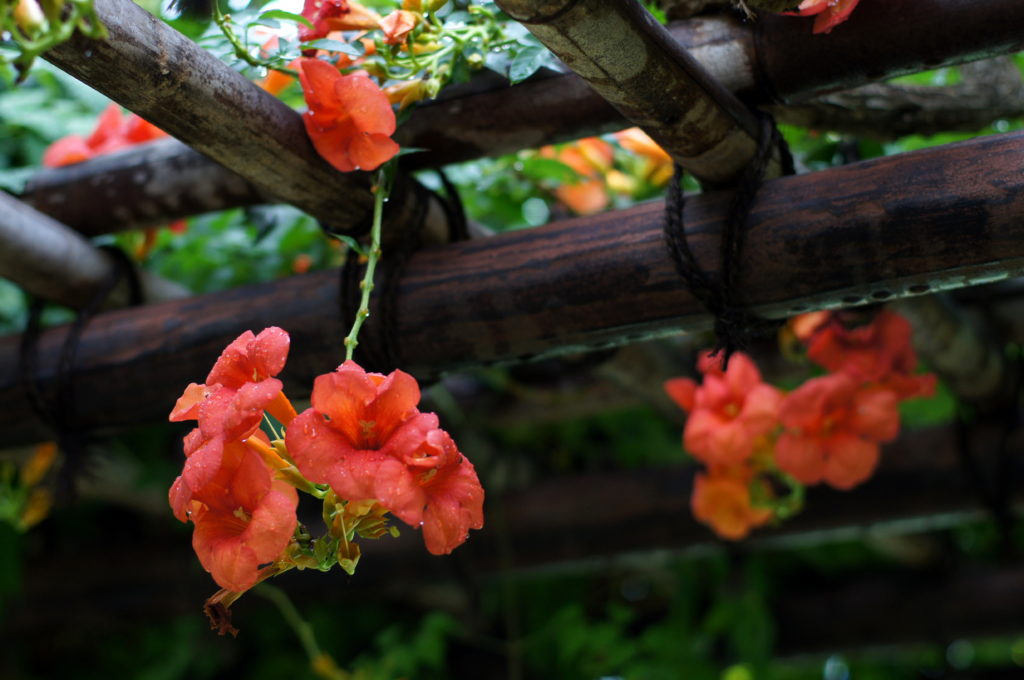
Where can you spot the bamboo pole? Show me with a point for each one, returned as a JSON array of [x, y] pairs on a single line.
[[919, 222], [58, 264], [487, 118], [630, 60]]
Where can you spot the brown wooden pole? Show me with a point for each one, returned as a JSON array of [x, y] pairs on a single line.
[[55, 263], [632, 62], [146, 185], [882, 38], [930, 220]]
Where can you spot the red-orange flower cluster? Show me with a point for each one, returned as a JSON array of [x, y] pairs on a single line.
[[728, 412], [230, 405], [879, 352], [350, 120], [113, 131], [731, 414], [365, 437], [833, 427], [827, 430], [243, 517]]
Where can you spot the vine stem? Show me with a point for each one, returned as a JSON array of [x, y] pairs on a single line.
[[322, 664], [380, 194]]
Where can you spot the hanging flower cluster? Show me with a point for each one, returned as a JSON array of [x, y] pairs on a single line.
[[355, 65], [755, 440], [363, 447]]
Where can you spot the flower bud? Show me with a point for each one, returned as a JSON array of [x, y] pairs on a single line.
[[36, 467], [29, 17], [36, 509], [406, 93]]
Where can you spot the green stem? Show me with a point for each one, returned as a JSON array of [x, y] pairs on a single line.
[[241, 49], [302, 629], [380, 190]]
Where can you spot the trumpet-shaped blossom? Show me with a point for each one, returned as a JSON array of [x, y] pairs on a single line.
[[591, 158], [833, 428], [231, 403], [659, 164], [728, 412], [335, 15], [243, 518], [113, 131], [398, 25], [722, 501], [350, 120], [365, 437], [879, 351]]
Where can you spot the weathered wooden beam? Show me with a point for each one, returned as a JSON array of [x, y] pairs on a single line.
[[882, 38], [628, 58], [186, 91], [145, 185], [988, 91], [487, 118], [55, 263], [930, 220]]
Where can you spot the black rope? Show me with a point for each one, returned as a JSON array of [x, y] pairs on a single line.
[[735, 327], [59, 415], [454, 210]]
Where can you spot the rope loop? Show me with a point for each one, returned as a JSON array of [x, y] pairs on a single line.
[[735, 326], [59, 414]]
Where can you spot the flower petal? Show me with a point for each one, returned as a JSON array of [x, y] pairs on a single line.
[[850, 460]]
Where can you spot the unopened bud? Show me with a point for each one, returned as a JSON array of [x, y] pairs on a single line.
[[620, 183], [29, 16], [406, 93], [36, 467], [36, 509]]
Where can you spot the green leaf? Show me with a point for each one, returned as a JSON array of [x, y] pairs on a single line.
[[285, 16], [526, 63], [352, 243], [540, 169], [334, 46]]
